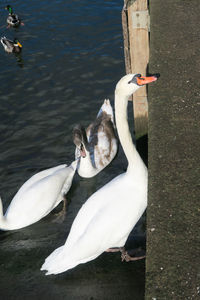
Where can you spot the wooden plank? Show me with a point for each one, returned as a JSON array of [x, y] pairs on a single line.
[[126, 39], [139, 58]]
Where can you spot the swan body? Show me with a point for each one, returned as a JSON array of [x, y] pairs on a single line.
[[109, 215], [12, 20], [37, 197], [11, 46], [97, 145]]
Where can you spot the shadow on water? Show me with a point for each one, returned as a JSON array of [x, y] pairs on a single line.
[[142, 148]]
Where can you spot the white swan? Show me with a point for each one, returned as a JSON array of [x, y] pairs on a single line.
[[109, 215], [97, 145], [37, 197]]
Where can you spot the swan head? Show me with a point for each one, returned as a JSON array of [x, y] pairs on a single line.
[[80, 140], [130, 83]]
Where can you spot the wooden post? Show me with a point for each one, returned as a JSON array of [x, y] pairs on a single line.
[[135, 20]]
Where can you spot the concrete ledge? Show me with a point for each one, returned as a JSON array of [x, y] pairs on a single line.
[[173, 214]]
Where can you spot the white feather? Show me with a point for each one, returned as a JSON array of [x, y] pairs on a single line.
[[38, 196]]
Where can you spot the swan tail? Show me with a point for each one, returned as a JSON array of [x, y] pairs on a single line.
[[60, 261], [106, 108], [56, 262]]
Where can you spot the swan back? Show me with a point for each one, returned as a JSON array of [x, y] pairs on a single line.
[[38, 196]]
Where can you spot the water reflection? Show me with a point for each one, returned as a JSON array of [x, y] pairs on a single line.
[[19, 59]]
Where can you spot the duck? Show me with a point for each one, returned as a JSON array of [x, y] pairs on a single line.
[[37, 197], [13, 20], [97, 145], [11, 46], [106, 219]]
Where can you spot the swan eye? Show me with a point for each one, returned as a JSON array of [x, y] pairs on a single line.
[[134, 79]]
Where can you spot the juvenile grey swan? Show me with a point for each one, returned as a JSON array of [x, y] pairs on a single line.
[[97, 145]]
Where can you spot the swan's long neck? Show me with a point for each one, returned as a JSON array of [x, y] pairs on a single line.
[[86, 167], [133, 157]]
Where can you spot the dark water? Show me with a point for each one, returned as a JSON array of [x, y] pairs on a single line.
[[71, 60]]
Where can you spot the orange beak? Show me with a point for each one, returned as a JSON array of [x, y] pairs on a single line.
[[145, 80], [20, 45]]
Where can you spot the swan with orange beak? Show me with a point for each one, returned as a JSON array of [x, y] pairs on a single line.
[[109, 215]]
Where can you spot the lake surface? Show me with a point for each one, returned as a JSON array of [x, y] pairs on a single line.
[[71, 60]]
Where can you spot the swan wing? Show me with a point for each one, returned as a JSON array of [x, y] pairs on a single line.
[[38, 176], [101, 137], [107, 146], [39, 197]]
